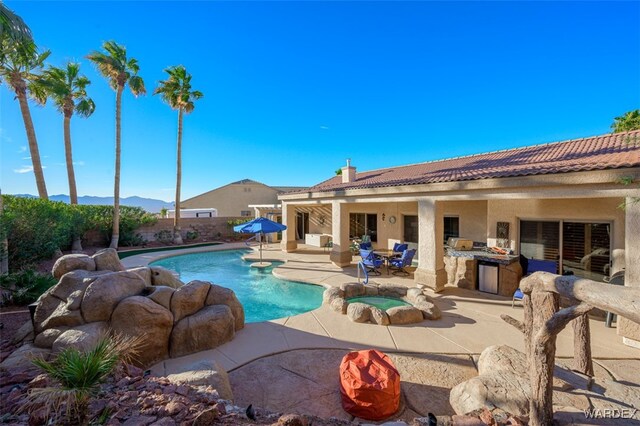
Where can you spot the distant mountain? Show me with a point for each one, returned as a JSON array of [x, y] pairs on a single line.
[[149, 204]]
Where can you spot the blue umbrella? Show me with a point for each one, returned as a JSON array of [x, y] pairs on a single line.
[[261, 226]]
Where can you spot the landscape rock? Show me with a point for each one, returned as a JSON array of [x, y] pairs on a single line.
[[162, 295], [370, 290], [205, 373], [429, 310], [63, 317], [72, 262], [404, 315], [208, 328], [224, 296], [140, 316], [352, 290], [412, 293], [293, 420], [330, 294], [379, 316], [339, 305], [144, 272], [20, 359], [206, 418], [500, 358], [103, 294], [165, 277], [189, 299], [74, 300], [392, 290], [84, 337], [359, 312], [501, 389], [108, 260], [47, 337], [23, 332], [74, 281]]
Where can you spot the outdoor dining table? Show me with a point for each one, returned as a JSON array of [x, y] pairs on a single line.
[[386, 254]]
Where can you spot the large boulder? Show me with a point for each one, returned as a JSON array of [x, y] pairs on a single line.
[[330, 294], [108, 260], [63, 317], [429, 309], [102, 295], [392, 290], [165, 277], [161, 295], [189, 299], [144, 272], [72, 262], [404, 315], [224, 296], [84, 338], [20, 359], [359, 312], [208, 328], [204, 373], [141, 316], [47, 337], [352, 290], [379, 316], [502, 358]]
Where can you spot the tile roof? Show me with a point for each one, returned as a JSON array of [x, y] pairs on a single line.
[[609, 151]]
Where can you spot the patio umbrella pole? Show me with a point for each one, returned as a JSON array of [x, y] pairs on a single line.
[[261, 248]]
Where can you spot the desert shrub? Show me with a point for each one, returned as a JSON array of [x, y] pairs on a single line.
[[24, 287], [77, 376], [164, 236], [191, 235], [36, 228]]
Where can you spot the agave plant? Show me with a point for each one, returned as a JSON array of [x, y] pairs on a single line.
[[77, 376]]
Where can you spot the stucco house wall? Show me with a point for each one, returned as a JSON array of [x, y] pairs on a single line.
[[594, 209], [232, 199]]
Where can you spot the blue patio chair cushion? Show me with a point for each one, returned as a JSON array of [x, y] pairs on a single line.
[[400, 247], [404, 260], [536, 265], [365, 245], [518, 295], [369, 259]]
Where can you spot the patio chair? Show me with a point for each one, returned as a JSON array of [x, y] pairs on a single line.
[[371, 261], [365, 245], [399, 248], [533, 265], [399, 264]]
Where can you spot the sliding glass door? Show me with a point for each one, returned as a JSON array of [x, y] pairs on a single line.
[[580, 248]]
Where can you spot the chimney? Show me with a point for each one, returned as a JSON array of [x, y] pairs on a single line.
[[348, 172]]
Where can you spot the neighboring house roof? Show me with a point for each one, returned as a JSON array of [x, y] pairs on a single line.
[[283, 189], [610, 151]]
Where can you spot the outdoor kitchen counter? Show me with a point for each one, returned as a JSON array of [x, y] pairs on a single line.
[[462, 269], [482, 255]]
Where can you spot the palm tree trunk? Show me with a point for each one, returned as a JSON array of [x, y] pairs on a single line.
[[33, 144], [115, 235], [177, 238], [73, 193], [4, 244]]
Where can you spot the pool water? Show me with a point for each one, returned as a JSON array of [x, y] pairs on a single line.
[[263, 296], [383, 303]]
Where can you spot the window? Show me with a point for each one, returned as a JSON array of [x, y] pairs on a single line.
[[580, 248], [203, 214], [247, 189], [363, 224], [451, 227], [245, 213], [411, 229]]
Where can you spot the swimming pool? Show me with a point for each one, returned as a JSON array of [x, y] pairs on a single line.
[[263, 296]]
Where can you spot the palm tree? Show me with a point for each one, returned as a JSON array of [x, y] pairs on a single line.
[[67, 88], [176, 92], [120, 71], [19, 65], [13, 26], [628, 121]]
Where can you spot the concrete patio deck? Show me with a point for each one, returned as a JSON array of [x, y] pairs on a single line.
[[470, 321]]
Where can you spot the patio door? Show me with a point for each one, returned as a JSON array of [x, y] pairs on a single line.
[[302, 225]]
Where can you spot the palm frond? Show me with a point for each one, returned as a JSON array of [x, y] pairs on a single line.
[[13, 27], [85, 107], [136, 84]]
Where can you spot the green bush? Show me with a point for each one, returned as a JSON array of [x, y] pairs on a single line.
[[192, 235], [36, 228], [24, 287]]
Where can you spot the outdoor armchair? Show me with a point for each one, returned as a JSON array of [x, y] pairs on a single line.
[[399, 264], [371, 261]]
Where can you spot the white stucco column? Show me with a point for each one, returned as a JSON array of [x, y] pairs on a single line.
[[430, 271], [340, 253], [289, 242], [629, 330]]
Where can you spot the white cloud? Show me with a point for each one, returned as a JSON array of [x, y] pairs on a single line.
[[26, 158], [78, 163], [324, 127], [22, 149], [24, 169]]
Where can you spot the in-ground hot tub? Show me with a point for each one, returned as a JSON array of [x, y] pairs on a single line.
[[381, 304]]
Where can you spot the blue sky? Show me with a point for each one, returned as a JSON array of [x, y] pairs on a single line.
[[293, 89]]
